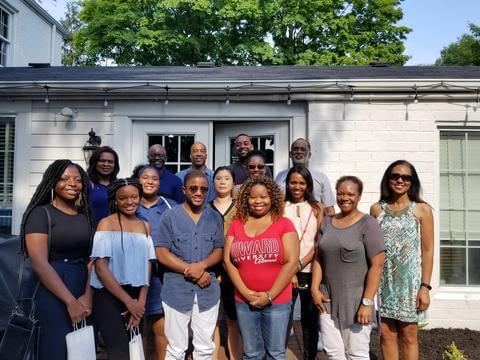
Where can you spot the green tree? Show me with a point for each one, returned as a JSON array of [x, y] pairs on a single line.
[[242, 32], [464, 52], [71, 22]]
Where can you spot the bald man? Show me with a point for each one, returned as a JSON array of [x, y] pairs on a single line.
[[300, 153], [198, 157], [170, 185]]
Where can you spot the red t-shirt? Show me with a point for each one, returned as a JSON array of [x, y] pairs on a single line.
[[259, 259]]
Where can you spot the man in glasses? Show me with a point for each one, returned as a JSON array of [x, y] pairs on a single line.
[[243, 145], [198, 156], [170, 185], [300, 153], [190, 245]]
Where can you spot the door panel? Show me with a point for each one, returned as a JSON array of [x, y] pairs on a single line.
[[270, 137]]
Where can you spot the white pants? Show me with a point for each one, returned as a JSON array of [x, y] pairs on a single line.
[[202, 325], [345, 343]]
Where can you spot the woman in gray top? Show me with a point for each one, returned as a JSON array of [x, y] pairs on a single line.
[[346, 274]]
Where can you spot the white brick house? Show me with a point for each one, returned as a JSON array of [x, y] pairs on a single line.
[[358, 120]]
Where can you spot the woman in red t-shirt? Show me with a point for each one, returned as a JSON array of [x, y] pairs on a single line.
[[261, 256]]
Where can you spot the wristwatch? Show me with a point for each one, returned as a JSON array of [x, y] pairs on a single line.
[[367, 302]]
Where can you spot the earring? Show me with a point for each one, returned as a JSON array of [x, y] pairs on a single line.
[[52, 194]]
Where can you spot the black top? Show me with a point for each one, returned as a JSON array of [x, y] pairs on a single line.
[[241, 173], [71, 235]]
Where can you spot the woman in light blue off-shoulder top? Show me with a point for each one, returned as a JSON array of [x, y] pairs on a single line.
[[122, 250]]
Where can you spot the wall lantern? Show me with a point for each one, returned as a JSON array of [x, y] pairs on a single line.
[[91, 145]]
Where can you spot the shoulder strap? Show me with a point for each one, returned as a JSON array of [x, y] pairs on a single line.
[[144, 227], [305, 228], [23, 257]]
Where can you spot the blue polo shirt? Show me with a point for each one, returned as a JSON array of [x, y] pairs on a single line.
[[171, 186], [153, 214], [212, 194], [192, 243]]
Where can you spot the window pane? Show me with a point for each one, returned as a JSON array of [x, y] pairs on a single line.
[[185, 145], [473, 151], [452, 266], [453, 191], [473, 266], [171, 145], [474, 191], [453, 151], [473, 222], [452, 226]]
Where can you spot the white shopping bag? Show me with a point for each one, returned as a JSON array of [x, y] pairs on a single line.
[[81, 343], [135, 346]]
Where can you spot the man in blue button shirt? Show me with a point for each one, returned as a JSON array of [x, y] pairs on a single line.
[[190, 245]]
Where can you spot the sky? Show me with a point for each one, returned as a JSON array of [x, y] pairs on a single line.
[[434, 23]]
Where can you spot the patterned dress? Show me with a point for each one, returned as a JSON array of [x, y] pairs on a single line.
[[402, 271]]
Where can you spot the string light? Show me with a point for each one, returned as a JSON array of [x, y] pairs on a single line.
[[475, 108], [166, 95], [47, 99], [289, 98], [105, 100], [415, 99], [227, 98], [352, 94]]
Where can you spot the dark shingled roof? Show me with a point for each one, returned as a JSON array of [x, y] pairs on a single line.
[[232, 73]]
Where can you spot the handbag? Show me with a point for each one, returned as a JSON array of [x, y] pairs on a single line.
[[81, 342], [21, 338], [135, 346]]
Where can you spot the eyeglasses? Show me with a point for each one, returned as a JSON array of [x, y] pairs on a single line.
[[259, 167], [161, 157], [404, 177], [194, 189]]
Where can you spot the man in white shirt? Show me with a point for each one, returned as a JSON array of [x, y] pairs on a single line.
[[300, 153]]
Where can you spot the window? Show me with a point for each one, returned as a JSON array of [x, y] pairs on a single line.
[[178, 149], [460, 208], [7, 136], [4, 36]]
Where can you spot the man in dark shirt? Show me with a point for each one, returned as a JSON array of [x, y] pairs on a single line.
[[170, 185], [243, 145]]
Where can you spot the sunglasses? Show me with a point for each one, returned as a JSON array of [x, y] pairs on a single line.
[[194, 189], [259, 167], [404, 177]]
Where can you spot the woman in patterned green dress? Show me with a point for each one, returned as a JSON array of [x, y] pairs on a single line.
[[407, 223]]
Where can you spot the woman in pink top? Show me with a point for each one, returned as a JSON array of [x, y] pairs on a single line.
[[261, 257], [306, 214]]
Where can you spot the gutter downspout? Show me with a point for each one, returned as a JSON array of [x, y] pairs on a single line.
[[52, 47]]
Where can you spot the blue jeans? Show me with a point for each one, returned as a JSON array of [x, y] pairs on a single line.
[[263, 330]]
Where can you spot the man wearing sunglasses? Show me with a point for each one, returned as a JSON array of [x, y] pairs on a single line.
[[190, 245], [170, 185], [300, 153], [243, 146], [198, 156]]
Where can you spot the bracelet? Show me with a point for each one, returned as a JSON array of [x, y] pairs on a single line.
[[428, 286], [269, 297], [203, 272]]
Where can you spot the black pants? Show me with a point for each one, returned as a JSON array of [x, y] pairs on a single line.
[[107, 310], [308, 317]]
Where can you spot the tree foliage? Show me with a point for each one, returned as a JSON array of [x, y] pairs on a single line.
[[242, 32], [464, 52], [71, 23]]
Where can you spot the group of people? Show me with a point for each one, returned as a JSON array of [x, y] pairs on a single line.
[[172, 252]]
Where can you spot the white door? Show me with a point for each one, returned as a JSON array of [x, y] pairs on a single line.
[[177, 136], [272, 137]]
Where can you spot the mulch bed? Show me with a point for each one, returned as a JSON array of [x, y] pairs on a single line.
[[435, 341]]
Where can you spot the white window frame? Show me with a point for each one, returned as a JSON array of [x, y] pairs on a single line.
[[4, 57], [7, 155], [465, 172]]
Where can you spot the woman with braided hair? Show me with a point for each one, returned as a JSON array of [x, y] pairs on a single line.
[[59, 207], [122, 250]]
